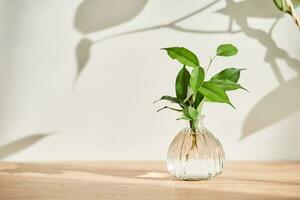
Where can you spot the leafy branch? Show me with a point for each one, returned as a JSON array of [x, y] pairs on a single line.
[[191, 88]]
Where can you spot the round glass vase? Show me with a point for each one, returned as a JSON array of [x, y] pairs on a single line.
[[195, 154]]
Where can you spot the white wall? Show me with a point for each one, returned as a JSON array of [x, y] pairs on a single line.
[[107, 113]]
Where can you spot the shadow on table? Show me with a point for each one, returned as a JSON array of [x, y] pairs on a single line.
[[122, 172], [43, 168], [166, 187]]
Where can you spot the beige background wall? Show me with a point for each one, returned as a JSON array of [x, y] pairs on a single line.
[[107, 113]]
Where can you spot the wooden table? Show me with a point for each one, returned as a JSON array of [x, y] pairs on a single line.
[[145, 180]]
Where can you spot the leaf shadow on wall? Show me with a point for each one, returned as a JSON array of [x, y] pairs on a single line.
[[83, 49], [21, 144], [276, 105], [97, 15], [263, 113]]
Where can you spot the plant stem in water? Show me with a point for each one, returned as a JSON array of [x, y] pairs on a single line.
[[193, 125]]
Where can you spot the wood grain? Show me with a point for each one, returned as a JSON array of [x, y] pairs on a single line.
[[145, 180]]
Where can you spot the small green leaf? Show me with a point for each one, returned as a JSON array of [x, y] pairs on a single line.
[[232, 74], [281, 5], [167, 107], [214, 93], [227, 84], [190, 113], [197, 78], [226, 50], [183, 55], [168, 98], [182, 83], [198, 99]]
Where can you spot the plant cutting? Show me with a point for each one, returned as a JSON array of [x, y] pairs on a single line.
[[195, 154]]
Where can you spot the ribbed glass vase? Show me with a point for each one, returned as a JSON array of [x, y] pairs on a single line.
[[195, 154]]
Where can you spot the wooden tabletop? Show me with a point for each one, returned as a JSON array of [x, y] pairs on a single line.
[[145, 180]]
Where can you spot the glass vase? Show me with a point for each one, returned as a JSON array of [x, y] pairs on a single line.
[[195, 154]]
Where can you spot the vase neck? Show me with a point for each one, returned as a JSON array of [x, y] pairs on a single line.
[[195, 124]]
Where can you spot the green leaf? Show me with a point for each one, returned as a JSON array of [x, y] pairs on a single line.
[[183, 55], [198, 99], [208, 100], [168, 98], [167, 107], [232, 74], [182, 83], [189, 97], [226, 50], [281, 5], [197, 78], [227, 84], [214, 93], [190, 113]]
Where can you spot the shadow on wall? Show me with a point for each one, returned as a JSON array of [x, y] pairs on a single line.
[[84, 46], [275, 106], [21, 144], [263, 113], [96, 15]]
